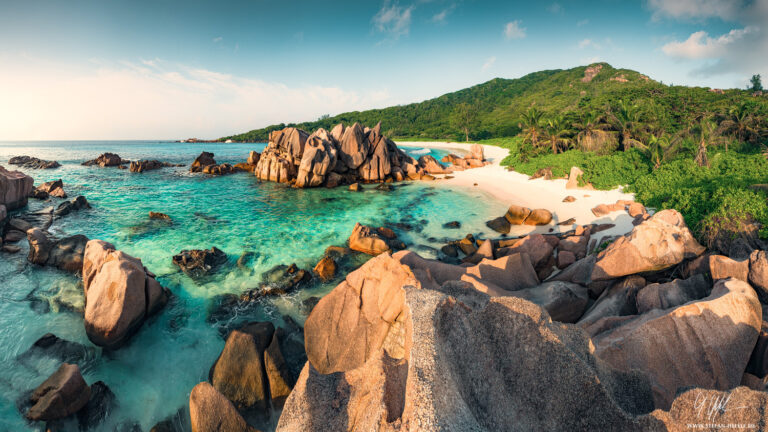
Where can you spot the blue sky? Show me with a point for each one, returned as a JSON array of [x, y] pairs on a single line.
[[81, 69]]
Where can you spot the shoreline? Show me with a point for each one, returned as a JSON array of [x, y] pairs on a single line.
[[512, 187]]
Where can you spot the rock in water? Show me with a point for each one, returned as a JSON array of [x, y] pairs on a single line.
[[702, 344], [148, 165], [120, 294], [15, 187], [203, 160], [198, 263], [656, 244], [62, 394], [33, 162], [372, 241], [210, 411], [68, 207], [238, 373], [396, 353], [106, 160], [53, 188], [65, 254]]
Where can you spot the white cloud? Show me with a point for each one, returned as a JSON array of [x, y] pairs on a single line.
[[555, 8], [513, 30], [586, 43], [489, 63], [393, 19], [688, 9], [154, 100], [440, 16], [218, 39], [700, 46], [582, 23], [590, 60]]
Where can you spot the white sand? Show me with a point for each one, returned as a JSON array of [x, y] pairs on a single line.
[[514, 188]]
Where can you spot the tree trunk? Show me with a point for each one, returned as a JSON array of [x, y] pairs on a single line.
[[466, 133], [625, 140]]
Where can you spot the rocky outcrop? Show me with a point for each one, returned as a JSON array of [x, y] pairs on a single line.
[[149, 165], [674, 293], [120, 294], [700, 344], [53, 188], [474, 159], [430, 165], [656, 244], [199, 262], [388, 354], [373, 241], [33, 162], [343, 156], [62, 394], [517, 215], [210, 411], [203, 160], [65, 254], [106, 160], [15, 187], [563, 301]]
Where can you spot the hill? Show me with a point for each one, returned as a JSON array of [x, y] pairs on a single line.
[[496, 107]]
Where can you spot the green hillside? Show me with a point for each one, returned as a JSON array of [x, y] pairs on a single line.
[[496, 107]]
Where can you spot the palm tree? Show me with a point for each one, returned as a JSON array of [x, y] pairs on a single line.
[[556, 133], [660, 148], [591, 135], [739, 123], [531, 124], [707, 135], [625, 118]]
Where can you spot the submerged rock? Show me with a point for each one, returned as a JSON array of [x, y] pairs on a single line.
[[52, 346], [68, 207], [62, 394], [198, 263], [100, 405]]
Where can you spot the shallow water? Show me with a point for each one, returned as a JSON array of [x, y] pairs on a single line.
[[153, 375]]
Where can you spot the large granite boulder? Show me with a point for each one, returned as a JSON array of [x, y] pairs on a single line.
[[563, 301], [674, 293], [430, 165], [61, 395], [54, 188], [392, 355], [319, 158], [210, 411], [656, 244], [620, 299], [251, 371], [758, 274], [15, 187], [715, 410], [706, 343], [353, 147], [380, 162], [120, 294]]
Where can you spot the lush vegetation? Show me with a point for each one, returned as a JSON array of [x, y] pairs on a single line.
[[694, 149]]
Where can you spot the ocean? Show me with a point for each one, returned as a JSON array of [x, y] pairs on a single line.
[[153, 374]]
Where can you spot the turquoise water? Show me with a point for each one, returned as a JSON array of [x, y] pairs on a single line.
[[153, 375]]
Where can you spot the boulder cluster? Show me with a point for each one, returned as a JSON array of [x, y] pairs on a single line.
[[33, 162], [474, 159], [656, 324], [206, 164], [517, 215], [106, 160], [345, 155]]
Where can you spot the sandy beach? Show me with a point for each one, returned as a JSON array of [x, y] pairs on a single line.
[[515, 188]]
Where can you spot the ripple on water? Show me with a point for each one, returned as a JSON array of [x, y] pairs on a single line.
[[154, 373]]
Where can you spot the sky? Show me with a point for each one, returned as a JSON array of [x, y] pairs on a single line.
[[172, 69]]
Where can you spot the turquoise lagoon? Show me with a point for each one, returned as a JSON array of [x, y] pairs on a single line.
[[153, 374]]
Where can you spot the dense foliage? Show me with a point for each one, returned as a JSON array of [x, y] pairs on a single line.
[[500, 105]]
